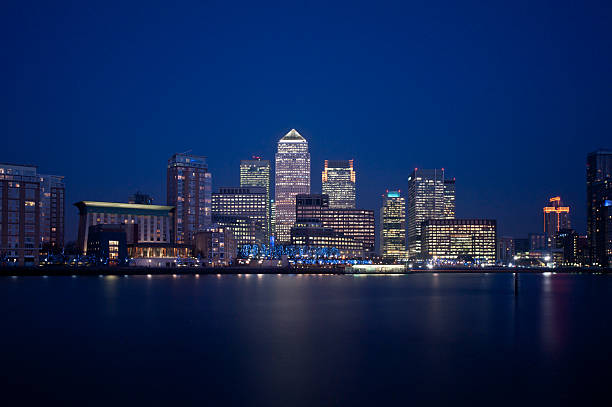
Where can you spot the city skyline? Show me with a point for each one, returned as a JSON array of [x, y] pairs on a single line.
[[488, 120]]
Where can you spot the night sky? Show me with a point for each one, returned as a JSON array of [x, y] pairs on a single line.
[[508, 98]]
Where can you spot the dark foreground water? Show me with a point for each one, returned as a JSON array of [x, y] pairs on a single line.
[[306, 340]]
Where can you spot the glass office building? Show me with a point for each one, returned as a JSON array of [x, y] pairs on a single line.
[[256, 173], [393, 226], [338, 182], [243, 202], [292, 178], [599, 207], [430, 196], [460, 239]]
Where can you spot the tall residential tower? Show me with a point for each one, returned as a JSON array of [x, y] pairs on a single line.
[[292, 178], [189, 189], [338, 182]]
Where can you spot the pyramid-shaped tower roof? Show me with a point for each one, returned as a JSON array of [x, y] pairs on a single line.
[[293, 137]]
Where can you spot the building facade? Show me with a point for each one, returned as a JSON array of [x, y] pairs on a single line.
[[556, 217], [292, 177], [357, 224], [189, 190], [52, 211], [393, 226], [599, 203], [216, 245], [505, 249], [338, 182], [249, 202], [430, 196], [313, 234], [108, 244], [256, 173], [19, 214], [153, 223], [460, 239]]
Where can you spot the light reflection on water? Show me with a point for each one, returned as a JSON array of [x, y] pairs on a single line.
[[300, 338]]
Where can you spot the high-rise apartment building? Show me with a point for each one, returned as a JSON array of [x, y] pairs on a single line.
[[430, 196], [256, 173], [19, 214], [556, 217], [247, 202], [599, 207], [357, 224], [31, 213], [338, 182], [189, 189], [52, 211], [292, 177], [460, 240], [393, 226]]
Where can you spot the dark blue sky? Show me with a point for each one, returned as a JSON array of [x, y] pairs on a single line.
[[508, 97]]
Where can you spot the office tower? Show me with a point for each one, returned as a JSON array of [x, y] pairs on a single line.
[[556, 217], [430, 196], [357, 224], [292, 178], [141, 199], [243, 202], [145, 224], [189, 189], [599, 207], [460, 240], [272, 219], [338, 182], [506, 249], [52, 211], [19, 214], [393, 226], [256, 173], [313, 234]]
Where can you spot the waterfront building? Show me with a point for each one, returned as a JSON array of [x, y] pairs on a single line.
[[338, 182], [19, 214], [52, 211], [537, 241], [460, 239], [141, 199], [292, 178], [256, 173], [505, 249], [245, 229], [430, 196], [393, 226], [556, 217], [107, 243], [189, 190], [521, 245], [272, 219], [314, 234], [249, 202], [153, 223], [599, 207], [357, 224], [216, 246]]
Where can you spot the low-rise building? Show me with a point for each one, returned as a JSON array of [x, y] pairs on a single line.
[[453, 239]]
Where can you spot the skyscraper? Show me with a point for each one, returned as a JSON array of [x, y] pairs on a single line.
[[292, 178], [393, 226], [599, 207], [52, 211], [430, 196], [338, 182], [256, 173], [556, 217], [189, 189]]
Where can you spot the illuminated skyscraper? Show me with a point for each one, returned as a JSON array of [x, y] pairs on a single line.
[[256, 173], [556, 217], [599, 207], [189, 189], [339, 183], [243, 202], [393, 226], [292, 178], [430, 196], [52, 209]]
